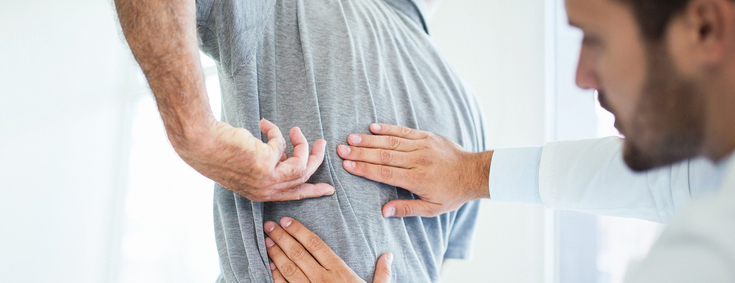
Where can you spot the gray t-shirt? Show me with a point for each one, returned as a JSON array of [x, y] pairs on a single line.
[[332, 67]]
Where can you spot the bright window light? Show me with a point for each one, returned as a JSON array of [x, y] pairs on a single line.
[[168, 232]]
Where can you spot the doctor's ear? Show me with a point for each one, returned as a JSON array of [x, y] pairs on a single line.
[[709, 28]]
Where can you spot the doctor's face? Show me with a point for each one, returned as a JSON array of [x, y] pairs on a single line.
[[656, 108]]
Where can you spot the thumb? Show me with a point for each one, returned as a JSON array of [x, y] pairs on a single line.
[[413, 207], [382, 268]]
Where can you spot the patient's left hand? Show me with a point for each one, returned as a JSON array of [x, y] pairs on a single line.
[[299, 255]]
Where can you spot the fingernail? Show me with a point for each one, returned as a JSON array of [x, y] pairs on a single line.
[[390, 212], [269, 242], [349, 164], [355, 139], [345, 150], [376, 127], [285, 222], [269, 226], [388, 258], [273, 266]]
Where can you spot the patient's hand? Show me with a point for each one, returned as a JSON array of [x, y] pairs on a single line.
[[258, 171], [299, 255], [437, 170]]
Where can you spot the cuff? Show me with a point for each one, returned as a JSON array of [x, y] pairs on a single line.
[[514, 175]]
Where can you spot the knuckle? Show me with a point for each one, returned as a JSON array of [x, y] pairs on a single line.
[[385, 156], [288, 269], [260, 169], [385, 271], [407, 209], [406, 131], [297, 253], [295, 229], [276, 235], [298, 196], [394, 143], [314, 244], [386, 173], [360, 152]]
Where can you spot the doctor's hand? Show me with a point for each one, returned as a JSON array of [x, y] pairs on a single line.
[[437, 170], [299, 255], [259, 171]]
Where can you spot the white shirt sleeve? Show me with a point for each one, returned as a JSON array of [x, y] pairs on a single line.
[[591, 176]]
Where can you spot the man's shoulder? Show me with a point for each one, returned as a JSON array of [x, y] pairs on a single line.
[[697, 246]]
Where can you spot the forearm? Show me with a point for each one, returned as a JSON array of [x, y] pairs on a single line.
[[162, 36]]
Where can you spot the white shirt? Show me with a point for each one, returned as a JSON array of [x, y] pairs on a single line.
[[699, 243], [590, 176]]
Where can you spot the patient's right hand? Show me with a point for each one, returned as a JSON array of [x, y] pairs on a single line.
[[259, 171]]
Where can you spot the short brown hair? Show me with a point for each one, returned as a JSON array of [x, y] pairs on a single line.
[[654, 16]]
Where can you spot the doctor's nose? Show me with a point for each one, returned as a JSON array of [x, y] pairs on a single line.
[[586, 77]]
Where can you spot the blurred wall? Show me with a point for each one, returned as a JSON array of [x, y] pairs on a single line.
[[498, 45], [65, 81]]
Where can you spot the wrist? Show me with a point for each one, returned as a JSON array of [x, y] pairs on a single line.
[[191, 135], [479, 165]]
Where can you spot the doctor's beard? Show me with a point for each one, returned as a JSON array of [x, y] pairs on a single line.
[[668, 122]]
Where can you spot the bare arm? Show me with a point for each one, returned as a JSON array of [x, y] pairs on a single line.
[[162, 36]]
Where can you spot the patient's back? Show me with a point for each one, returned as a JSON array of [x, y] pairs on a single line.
[[332, 67]]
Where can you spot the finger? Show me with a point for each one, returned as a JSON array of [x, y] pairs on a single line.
[[398, 131], [294, 250], [275, 138], [412, 207], [302, 191], [277, 277], [394, 176], [301, 168], [300, 146], [376, 156], [283, 157], [287, 268], [321, 252], [382, 269], [385, 142], [316, 157]]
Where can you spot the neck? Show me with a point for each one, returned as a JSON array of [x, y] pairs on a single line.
[[720, 129]]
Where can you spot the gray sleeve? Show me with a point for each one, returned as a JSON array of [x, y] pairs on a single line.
[[462, 233], [229, 30], [204, 9]]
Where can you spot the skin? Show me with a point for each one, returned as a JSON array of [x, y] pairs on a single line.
[[162, 36], [299, 255], [672, 99]]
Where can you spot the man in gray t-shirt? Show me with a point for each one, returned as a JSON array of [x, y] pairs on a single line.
[[330, 68]]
